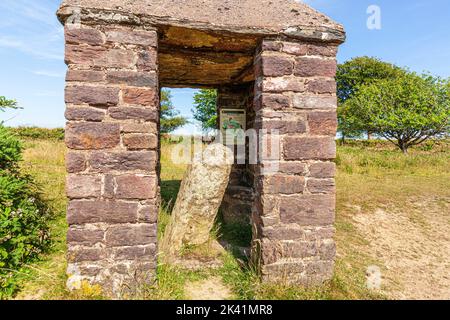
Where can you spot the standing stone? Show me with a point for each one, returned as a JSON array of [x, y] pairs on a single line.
[[198, 201]]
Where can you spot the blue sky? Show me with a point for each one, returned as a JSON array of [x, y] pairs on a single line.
[[414, 33]]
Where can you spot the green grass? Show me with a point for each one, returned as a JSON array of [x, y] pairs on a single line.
[[370, 175], [171, 283], [44, 159]]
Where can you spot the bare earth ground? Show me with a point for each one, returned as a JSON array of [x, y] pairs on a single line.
[[208, 289], [414, 246]]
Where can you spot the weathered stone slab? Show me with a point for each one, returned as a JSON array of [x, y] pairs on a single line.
[[198, 201]]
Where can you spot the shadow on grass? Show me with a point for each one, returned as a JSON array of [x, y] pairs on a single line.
[[235, 237], [169, 193]]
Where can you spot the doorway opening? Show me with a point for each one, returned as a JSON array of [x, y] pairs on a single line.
[[193, 116]]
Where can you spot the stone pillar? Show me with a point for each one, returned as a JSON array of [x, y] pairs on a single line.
[[237, 202], [294, 209], [112, 100]]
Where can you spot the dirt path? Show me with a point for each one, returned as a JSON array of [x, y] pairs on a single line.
[[414, 246], [208, 289]]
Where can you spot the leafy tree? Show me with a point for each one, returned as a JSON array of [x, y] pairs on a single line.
[[205, 111], [170, 118], [7, 104], [351, 75], [406, 110], [349, 125]]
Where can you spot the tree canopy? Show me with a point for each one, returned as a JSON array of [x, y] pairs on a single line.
[[5, 104], [352, 75], [205, 109], [406, 109], [361, 71], [170, 118]]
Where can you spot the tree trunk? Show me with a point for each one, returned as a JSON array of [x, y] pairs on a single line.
[[343, 138], [403, 147], [198, 201]]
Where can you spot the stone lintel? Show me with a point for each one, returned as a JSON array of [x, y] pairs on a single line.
[[95, 16]]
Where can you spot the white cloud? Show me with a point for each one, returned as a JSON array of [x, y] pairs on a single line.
[[47, 93], [14, 43], [46, 73], [31, 27]]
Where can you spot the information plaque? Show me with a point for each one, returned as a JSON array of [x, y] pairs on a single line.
[[233, 126]]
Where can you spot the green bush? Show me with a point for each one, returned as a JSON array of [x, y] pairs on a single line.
[[39, 133], [23, 216], [10, 150]]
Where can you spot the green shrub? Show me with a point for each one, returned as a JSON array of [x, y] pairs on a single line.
[[39, 133], [23, 216], [10, 150]]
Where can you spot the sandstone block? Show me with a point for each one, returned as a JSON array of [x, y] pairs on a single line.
[[116, 58], [127, 113], [298, 49], [84, 114], [321, 185], [322, 86], [288, 271], [94, 96], [131, 235], [85, 254], [322, 170], [138, 96], [327, 249], [302, 148], [297, 168], [302, 101], [137, 37], [147, 60], [322, 123], [83, 186], [123, 161], [92, 135], [94, 211], [148, 213], [133, 78], [148, 127], [276, 66], [78, 235], [282, 84], [284, 184], [83, 55], [308, 210], [324, 50], [75, 162], [270, 45], [285, 126], [314, 67], [140, 253], [85, 76], [83, 36], [275, 101], [140, 141], [136, 187]]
